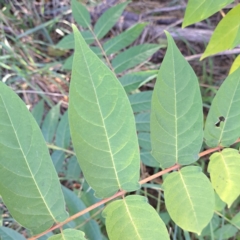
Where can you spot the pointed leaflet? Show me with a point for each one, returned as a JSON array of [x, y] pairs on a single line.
[[176, 117], [80, 14], [133, 56], [108, 19], [27, 175], [69, 234], [102, 125], [224, 169], [124, 39], [198, 10], [222, 126], [133, 218], [226, 35], [189, 198]]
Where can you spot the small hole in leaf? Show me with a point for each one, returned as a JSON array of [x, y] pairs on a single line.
[[220, 119]]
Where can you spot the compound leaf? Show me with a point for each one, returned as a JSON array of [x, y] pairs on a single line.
[[226, 35], [133, 56], [108, 20], [124, 39], [102, 125], [27, 175], [176, 116], [198, 10], [126, 219], [222, 125], [10, 234], [80, 14], [224, 168], [69, 234], [194, 207]]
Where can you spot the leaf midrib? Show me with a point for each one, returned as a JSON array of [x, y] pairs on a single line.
[[104, 126]]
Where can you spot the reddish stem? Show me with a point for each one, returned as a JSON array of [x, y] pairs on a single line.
[[121, 193]]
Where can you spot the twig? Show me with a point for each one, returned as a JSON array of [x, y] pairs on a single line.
[[121, 193]]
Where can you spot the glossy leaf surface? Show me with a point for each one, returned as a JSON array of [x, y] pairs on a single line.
[[27, 175], [222, 125], [176, 115], [198, 10], [69, 234], [102, 125], [189, 198], [133, 56], [126, 219], [108, 19], [80, 14], [224, 169], [226, 35], [124, 39]]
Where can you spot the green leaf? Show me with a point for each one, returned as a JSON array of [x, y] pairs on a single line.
[[134, 56], [73, 170], [10, 234], [144, 140], [75, 205], [235, 65], [189, 198], [50, 123], [80, 14], [124, 39], [102, 125], [224, 168], [219, 204], [69, 234], [225, 232], [222, 125], [68, 63], [148, 159], [213, 225], [143, 122], [27, 175], [133, 81], [176, 116], [37, 112], [108, 19], [226, 35], [141, 101], [63, 132], [133, 218], [58, 158], [199, 10], [67, 42]]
